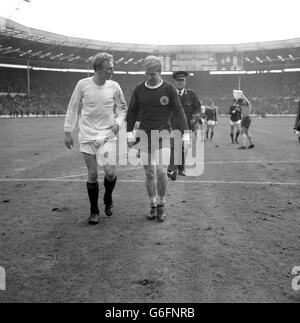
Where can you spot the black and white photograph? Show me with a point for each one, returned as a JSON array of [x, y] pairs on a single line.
[[150, 154]]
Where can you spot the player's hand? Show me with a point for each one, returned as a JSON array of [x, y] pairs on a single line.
[[130, 143], [69, 141], [115, 128]]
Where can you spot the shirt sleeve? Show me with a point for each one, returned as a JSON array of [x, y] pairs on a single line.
[[74, 107], [122, 108], [177, 111], [197, 105], [133, 111]]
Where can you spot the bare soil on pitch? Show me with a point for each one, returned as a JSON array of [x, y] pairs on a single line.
[[221, 242]]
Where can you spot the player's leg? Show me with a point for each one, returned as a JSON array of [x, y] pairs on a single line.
[[92, 186], [212, 131], [250, 140], [238, 131], [162, 184], [172, 169], [181, 167], [110, 181], [232, 131], [243, 138], [207, 130], [150, 171]]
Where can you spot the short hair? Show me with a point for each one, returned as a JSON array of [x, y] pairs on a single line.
[[152, 62], [99, 59]]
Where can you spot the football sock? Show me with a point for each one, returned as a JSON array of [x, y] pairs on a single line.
[[109, 187], [231, 135], [161, 200], [93, 192], [237, 135], [153, 202]]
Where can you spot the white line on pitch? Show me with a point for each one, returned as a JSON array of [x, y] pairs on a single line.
[[252, 162], [205, 163], [100, 172], [141, 181]]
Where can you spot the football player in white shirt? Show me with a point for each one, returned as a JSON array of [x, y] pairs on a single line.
[[93, 102]]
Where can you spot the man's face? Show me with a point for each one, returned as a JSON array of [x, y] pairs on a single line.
[[152, 76], [180, 84], [107, 70]]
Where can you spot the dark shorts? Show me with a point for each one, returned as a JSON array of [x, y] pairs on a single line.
[[246, 121]]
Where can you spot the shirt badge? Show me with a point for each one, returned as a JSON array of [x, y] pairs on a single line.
[[164, 100]]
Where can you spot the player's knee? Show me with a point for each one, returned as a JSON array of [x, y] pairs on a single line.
[[161, 171], [93, 175], [150, 174]]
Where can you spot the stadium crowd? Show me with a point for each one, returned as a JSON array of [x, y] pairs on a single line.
[[50, 91]]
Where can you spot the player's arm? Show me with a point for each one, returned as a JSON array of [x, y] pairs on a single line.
[[132, 117], [216, 113], [121, 110], [74, 107], [197, 108], [248, 103]]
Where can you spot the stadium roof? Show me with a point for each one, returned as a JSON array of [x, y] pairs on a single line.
[[19, 43]]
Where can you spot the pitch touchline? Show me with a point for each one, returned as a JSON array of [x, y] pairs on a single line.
[[141, 181], [252, 162], [205, 163]]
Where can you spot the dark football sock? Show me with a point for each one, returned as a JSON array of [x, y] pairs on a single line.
[[231, 135], [93, 192], [109, 188], [237, 135], [211, 135]]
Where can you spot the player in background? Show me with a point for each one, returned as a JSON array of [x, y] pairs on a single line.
[[297, 122], [153, 102], [235, 121], [93, 102], [192, 109], [211, 118], [246, 110]]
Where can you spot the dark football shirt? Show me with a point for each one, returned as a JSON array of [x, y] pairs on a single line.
[[154, 108], [234, 117]]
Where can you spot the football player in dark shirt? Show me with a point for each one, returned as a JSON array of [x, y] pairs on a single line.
[[153, 102], [211, 119], [235, 121]]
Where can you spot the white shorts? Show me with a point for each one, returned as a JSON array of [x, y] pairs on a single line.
[[105, 153], [237, 123], [211, 123]]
